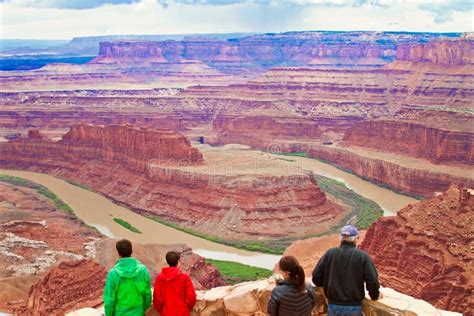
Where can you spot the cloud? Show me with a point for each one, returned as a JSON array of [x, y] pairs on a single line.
[[67, 4], [60, 20]]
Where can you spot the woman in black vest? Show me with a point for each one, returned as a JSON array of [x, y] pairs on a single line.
[[292, 296]]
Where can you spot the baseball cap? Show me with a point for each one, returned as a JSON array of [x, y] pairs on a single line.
[[349, 230]]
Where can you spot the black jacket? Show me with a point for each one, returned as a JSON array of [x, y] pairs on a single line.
[[287, 301], [342, 272]]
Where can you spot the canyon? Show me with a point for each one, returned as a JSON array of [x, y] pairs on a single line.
[[158, 173], [153, 125]]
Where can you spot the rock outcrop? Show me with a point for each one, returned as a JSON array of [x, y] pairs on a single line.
[[426, 250], [242, 130], [447, 52], [70, 285], [410, 179], [251, 298], [140, 175], [33, 239], [414, 139]]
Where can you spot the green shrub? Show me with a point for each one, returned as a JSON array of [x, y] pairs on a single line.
[[127, 225], [234, 272]]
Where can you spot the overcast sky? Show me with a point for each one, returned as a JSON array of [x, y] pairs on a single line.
[[65, 19]]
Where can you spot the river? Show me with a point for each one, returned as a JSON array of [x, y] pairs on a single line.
[[98, 211]]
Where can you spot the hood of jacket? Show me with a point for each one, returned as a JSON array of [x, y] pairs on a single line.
[[128, 267], [170, 273]]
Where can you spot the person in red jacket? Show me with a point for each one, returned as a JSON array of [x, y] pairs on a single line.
[[174, 292]]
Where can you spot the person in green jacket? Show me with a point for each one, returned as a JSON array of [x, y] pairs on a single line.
[[127, 288]]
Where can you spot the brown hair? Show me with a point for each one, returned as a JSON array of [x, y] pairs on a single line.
[[124, 248], [296, 273], [172, 258]]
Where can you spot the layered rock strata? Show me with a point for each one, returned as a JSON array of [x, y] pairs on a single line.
[[144, 169], [446, 52], [70, 285], [242, 129], [414, 139], [426, 250], [412, 180]]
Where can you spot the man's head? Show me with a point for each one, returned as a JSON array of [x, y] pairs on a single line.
[[349, 233], [124, 248], [172, 258]]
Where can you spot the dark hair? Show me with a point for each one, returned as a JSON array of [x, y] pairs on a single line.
[[124, 248], [295, 271], [172, 258]]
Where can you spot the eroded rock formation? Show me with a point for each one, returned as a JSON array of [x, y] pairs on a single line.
[[226, 205], [414, 139], [70, 285], [426, 250], [411, 179], [447, 52], [33, 239]]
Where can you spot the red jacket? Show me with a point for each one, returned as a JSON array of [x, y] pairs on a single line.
[[174, 293]]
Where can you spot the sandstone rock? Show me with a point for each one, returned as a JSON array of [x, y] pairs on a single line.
[[426, 251], [436, 145], [135, 168], [449, 52], [33, 238], [69, 286], [241, 129], [408, 179]]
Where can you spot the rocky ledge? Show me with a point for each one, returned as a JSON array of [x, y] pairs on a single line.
[[426, 250]]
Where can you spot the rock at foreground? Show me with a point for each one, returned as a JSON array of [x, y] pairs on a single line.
[[426, 250], [251, 299], [70, 285]]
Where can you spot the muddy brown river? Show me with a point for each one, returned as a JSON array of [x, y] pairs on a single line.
[[98, 211]]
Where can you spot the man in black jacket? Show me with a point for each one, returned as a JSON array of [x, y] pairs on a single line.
[[342, 272]]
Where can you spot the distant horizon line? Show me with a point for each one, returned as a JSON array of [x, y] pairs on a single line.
[[223, 33]]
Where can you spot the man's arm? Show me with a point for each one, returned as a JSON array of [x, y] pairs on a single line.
[[318, 272], [110, 294], [147, 294], [190, 293], [157, 299], [371, 279]]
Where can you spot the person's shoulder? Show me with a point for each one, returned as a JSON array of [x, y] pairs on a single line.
[[280, 289], [112, 273], [142, 267], [332, 250]]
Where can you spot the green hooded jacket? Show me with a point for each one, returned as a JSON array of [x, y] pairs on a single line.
[[127, 289]]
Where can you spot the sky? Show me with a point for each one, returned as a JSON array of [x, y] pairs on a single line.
[[65, 19]]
